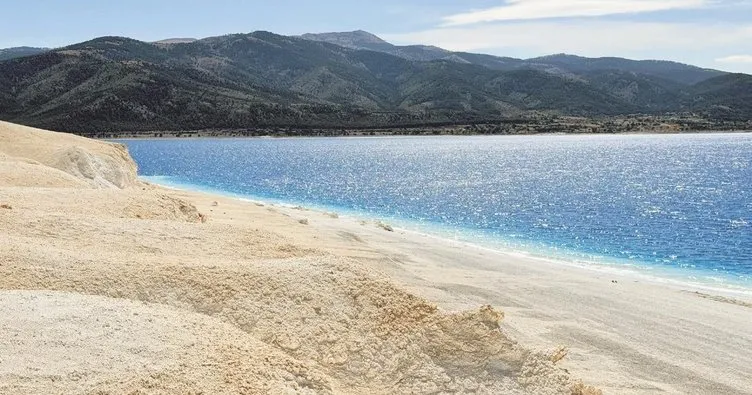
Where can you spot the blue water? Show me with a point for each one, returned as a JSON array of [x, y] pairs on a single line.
[[669, 203]]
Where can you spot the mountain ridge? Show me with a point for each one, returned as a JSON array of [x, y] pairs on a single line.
[[269, 80], [361, 39], [18, 52], [676, 71]]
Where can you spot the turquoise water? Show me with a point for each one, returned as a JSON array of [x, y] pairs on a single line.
[[678, 204]]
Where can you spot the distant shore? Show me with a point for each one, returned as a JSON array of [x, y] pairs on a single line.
[[523, 126], [231, 135]]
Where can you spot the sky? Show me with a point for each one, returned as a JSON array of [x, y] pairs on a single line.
[[708, 33]]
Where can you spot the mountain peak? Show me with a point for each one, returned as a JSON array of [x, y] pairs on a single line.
[[358, 39], [177, 40], [362, 34]]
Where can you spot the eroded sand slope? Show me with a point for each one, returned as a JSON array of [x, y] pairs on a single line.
[[108, 285]]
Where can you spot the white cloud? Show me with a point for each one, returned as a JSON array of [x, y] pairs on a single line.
[[735, 59], [541, 9], [589, 38]]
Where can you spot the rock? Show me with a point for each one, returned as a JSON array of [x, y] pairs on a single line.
[[385, 226]]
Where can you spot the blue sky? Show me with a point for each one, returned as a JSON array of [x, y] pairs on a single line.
[[708, 33]]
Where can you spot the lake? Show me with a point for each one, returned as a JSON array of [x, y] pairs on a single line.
[[677, 205]]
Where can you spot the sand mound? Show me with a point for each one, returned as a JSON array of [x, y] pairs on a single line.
[[88, 344], [99, 164], [160, 206], [348, 323], [21, 172], [134, 203], [102, 171]]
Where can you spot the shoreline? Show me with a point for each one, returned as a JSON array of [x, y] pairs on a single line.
[[681, 278], [618, 327], [113, 285], [196, 135]]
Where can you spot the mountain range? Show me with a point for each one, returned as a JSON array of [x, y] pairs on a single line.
[[336, 80], [19, 52], [559, 64]]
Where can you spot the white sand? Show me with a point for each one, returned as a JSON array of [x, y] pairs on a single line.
[[109, 290]]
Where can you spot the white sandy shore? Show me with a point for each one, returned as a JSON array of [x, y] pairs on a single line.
[[109, 290], [638, 335]]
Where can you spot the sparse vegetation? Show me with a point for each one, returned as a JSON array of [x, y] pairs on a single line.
[[19, 52], [266, 84]]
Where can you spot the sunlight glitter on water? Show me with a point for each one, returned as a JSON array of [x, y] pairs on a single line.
[[679, 202]]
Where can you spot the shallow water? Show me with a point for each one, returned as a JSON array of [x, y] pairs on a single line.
[[676, 202]]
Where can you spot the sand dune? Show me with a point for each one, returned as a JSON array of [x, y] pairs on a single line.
[[110, 285], [98, 165]]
